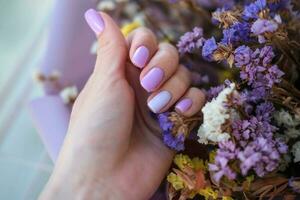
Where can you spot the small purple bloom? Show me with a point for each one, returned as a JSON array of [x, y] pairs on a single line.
[[273, 75], [242, 56], [164, 122], [225, 153], [265, 111], [174, 142], [252, 10], [261, 26], [191, 41], [208, 49], [266, 54]]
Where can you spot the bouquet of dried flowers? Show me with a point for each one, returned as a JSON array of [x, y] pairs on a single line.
[[246, 54]]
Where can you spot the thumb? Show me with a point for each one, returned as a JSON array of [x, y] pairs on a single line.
[[112, 51]]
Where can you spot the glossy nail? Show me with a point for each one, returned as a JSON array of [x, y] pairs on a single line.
[[159, 101], [140, 56], [94, 20], [184, 105], [152, 79]]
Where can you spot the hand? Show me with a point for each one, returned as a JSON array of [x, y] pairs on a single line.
[[113, 148]]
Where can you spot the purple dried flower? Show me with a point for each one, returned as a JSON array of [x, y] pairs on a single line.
[[225, 153], [191, 41], [261, 26], [252, 10], [230, 36], [275, 6], [238, 32], [175, 142], [208, 49], [265, 111], [164, 122], [273, 75], [266, 54], [214, 91], [261, 155], [242, 56]]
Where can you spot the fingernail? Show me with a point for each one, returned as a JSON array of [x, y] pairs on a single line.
[[152, 79], [140, 56], [184, 105], [94, 20], [159, 101]]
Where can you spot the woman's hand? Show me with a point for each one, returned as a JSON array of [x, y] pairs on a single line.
[[113, 148]]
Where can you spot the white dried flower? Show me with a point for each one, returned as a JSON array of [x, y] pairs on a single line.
[[296, 151], [69, 94], [131, 9], [286, 119], [215, 114], [292, 132], [106, 5]]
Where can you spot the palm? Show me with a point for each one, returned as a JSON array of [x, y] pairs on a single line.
[[146, 151]]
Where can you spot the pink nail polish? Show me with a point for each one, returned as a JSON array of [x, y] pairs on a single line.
[[159, 101], [152, 79], [140, 57], [184, 105], [94, 20]]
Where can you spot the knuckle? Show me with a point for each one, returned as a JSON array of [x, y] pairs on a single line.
[[172, 50], [181, 80], [145, 32], [197, 93]]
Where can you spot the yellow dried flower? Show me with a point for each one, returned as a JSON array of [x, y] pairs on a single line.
[[183, 161], [212, 156], [227, 198], [176, 181], [199, 164], [208, 193], [128, 28]]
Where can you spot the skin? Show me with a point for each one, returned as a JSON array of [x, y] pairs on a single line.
[[113, 149]]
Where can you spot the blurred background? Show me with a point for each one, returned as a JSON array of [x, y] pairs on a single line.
[[24, 164]]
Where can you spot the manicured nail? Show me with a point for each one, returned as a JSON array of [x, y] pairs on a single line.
[[159, 101], [140, 56], [152, 79], [94, 20], [184, 105]]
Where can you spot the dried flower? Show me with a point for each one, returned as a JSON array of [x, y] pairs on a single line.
[[175, 129], [191, 41], [69, 94], [208, 49], [215, 114], [296, 151], [252, 10], [242, 56]]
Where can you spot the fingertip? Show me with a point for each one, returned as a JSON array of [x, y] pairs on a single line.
[[191, 103]]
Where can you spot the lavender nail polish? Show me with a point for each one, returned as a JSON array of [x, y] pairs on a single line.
[[159, 101], [152, 79], [184, 105], [140, 56], [94, 20]]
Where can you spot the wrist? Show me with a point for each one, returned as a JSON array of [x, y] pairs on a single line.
[[77, 189]]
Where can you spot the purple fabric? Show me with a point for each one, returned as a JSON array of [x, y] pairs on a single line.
[[69, 43], [68, 52], [51, 118]]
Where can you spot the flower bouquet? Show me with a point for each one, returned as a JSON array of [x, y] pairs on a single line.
[[246, 56], [249, 126]]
